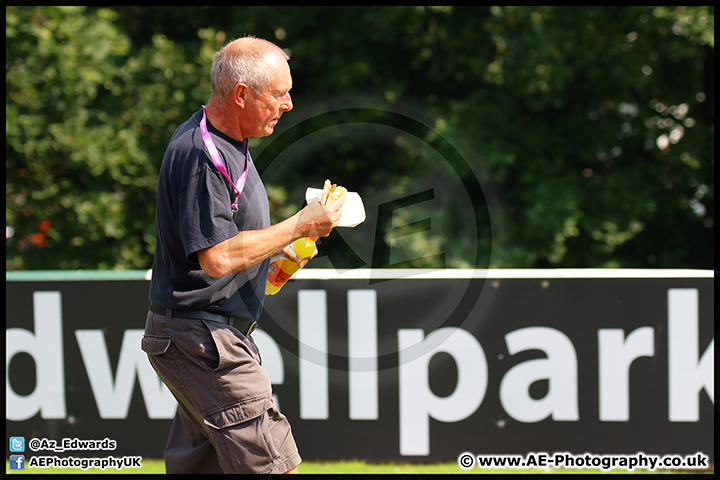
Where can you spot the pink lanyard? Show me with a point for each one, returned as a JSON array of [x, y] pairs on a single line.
[[215, 156]]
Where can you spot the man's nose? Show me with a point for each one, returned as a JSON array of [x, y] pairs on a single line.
[[286, 104]]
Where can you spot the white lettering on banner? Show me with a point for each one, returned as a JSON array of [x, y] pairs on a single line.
[[687, 376], [362, 352], [313, 361], [689, 373], [417, 401], [559, 368], [46, 348], [113, 400], [272, 360], [616, 355]]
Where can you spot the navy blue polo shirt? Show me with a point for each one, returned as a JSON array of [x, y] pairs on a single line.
[[194, 212]]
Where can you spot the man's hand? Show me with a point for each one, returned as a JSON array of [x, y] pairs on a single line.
[[290, 254], [319, 220], [250, 247]]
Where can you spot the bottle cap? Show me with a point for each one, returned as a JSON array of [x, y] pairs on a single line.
[[304, 247]]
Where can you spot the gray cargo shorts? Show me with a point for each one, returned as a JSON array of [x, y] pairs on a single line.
[[227, 421]]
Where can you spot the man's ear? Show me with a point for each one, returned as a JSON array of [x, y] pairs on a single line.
[[240, 94]]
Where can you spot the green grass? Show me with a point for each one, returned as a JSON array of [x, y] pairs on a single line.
[[337, 467]]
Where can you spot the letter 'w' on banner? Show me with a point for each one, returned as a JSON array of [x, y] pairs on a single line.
[[113, 396]]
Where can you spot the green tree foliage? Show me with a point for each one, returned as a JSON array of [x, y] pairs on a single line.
[[589, 129], [601, 126], [87, 120]]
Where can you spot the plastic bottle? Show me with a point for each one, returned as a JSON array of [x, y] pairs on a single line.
[[282, 269]]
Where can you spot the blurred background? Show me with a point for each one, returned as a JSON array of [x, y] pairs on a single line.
[[503, 137]]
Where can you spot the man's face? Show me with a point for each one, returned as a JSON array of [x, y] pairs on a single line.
[[265, 109]]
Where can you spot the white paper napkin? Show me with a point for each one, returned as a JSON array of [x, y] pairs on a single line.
[[353, 210]]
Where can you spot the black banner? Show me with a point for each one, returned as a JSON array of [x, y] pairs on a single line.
[[401, 365]]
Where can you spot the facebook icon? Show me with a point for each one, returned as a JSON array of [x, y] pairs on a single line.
[[17, 462]]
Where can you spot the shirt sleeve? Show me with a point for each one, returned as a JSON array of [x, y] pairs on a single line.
[[204, 212]]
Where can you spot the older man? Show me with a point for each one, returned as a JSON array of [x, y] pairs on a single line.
[[214, 241]]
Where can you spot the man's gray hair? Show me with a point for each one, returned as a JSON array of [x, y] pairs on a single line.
[[233, 65]]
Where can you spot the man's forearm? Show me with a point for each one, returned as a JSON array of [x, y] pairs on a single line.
[[252, 247], [248, 248]]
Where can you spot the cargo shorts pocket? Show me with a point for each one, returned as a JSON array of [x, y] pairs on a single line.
[[165, 360], [243, 435], [232, 350]]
